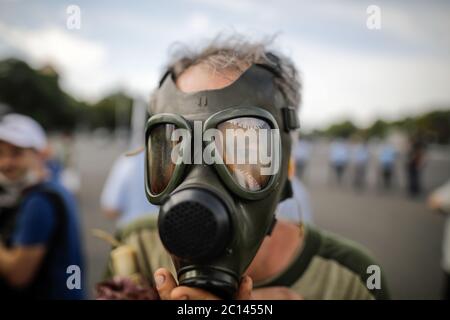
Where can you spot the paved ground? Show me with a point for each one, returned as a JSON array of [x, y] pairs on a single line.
[[95, 158], [402, 233]]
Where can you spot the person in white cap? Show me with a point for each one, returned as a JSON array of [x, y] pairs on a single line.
[[43, 238], [21, 135]]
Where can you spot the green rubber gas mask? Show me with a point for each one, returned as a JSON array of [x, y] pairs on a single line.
[[217, 164]]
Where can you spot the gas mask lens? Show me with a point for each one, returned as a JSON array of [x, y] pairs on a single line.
[[246, 149], [160, 164]]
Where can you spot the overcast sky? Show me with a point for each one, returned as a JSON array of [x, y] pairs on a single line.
[[348, 70]]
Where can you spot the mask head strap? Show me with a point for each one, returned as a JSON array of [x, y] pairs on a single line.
[[290, 116], [289, 113]]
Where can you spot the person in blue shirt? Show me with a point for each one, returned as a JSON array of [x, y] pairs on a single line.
[[360, 160], [42, 256], [387, 157], [123, 197], [339, 157]]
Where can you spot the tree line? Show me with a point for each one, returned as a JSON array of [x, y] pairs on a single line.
[[37, 93], [433, 126]]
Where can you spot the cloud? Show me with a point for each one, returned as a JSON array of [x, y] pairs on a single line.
[[340, 83], [407, 25], [198, 22], [243, 6], [63, 48], [80, 61]]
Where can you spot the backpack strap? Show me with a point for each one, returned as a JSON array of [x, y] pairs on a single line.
[[58, 237]]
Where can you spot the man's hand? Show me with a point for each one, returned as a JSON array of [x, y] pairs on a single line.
[[168, 290]]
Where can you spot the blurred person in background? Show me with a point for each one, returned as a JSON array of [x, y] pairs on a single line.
[[301, 154], [123, 198], [339, 158], [41, 239], [297, 208], [439, 201], [360, 161], [386, 159], [414, 163], [62, 165]]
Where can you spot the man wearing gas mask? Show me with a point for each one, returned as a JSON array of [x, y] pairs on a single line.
[[218, 147]]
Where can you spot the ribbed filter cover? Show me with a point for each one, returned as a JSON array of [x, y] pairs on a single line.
[[194, 225]]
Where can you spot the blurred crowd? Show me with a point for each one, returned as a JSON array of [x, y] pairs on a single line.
[[349, 161]]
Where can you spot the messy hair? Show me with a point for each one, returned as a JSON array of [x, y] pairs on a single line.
[[238, 53]]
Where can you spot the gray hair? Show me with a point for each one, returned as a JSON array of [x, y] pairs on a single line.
[[237, 53]]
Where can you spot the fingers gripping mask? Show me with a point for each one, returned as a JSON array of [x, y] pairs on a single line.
[[217, 165]]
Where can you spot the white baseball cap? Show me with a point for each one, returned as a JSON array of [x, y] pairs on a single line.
[[22, 131]]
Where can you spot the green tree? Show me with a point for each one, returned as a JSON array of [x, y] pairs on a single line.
[[344, 129], [378, 129], [112, 111], [37, 94]]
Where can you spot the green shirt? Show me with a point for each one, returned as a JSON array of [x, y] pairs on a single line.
[[330, 267], [327, 266]]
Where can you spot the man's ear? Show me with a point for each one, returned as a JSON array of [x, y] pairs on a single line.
[[291, 168]]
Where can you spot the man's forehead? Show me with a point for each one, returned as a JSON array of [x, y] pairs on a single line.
[[202, 76]]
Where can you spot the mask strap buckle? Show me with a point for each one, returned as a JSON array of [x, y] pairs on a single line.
[[290, 118]]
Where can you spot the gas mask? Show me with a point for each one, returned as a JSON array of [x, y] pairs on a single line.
[[215, 211]]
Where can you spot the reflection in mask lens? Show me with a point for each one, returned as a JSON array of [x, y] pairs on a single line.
[[242, 148], [160, 164]]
